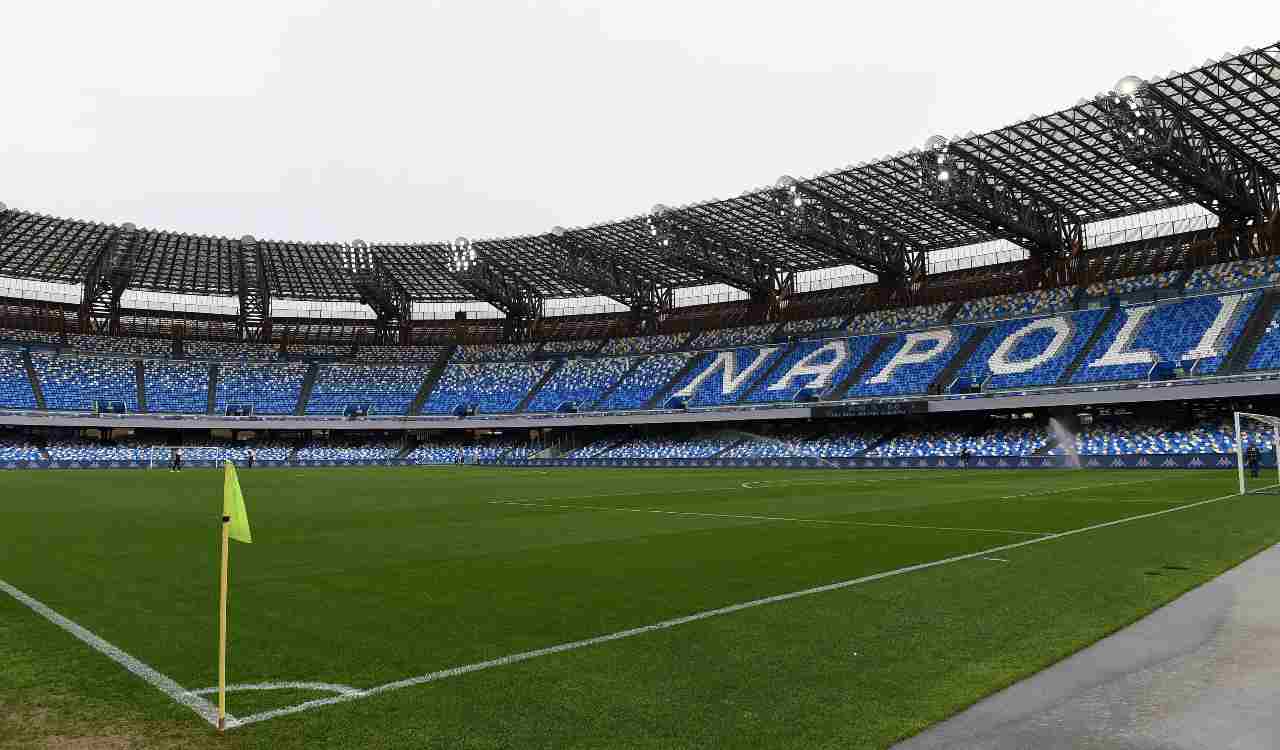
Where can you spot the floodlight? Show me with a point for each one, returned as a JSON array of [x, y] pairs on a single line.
[[1130, 86]]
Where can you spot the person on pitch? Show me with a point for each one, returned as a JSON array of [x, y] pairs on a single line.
[[1253, 460], [251, 457]]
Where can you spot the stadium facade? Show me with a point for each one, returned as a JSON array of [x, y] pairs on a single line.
[[1096, 312]]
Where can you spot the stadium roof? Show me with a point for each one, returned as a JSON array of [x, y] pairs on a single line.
[[1068, 156]]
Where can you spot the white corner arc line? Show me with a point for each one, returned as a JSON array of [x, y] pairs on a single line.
[[695, 617], [165, 684]]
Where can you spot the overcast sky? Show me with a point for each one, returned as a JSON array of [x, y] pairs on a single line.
[[424, 121]]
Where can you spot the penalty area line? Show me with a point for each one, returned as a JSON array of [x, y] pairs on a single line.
[[165, 684], [695, 617]]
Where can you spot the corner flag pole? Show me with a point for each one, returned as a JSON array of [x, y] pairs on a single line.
[[222, 628]]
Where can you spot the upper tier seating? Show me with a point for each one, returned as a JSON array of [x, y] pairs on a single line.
[[1130, 284], [493, 352], [76, 381], [319, 350], [575, 346], [119, 345], [898, 319], [1170, 331], [388, 389], [1234, 275], [270, 388], [813, 325], [28, 337], [227, 350], [1015, 305], [15, 387], [1020, 366], [643, 382], [645, 344], [177, 386], [725, 338], [381, 353], [673, 447], [580, 381], [494, 387]]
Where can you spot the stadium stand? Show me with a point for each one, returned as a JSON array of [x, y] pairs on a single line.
[[644, 381], [1167, 333], [899, 319], [386, 389], [319, 350], [362, 448], [1267, 355], [1039, 356], [384, 353], [1234, 275], [269, 388], [15, 387], [493, 352], [724, 377], [1148, 437], [578, 346], [177, 386], [494, 387], [812, 325], [579, 381], [725, 338], [823, 364], [76, 382], [670, 447], [912, 362], [119, 345], [28, 337], [1130, 284], [1010, 440], [645, 344], [230, 351], [14, 447], [1015, 305]]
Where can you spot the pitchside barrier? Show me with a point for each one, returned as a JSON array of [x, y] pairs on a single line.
[[1158, 461]]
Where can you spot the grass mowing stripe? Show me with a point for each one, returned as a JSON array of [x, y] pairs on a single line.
[[762, 518], [1077, 489], [165, 684], [665, 624]]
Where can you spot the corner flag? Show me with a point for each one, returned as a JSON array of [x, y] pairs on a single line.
[[233, 505], [235, 525]]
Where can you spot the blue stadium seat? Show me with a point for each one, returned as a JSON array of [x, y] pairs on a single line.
[[388, 389]]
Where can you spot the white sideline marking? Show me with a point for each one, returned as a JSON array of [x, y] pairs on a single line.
[[203, 708], [1086, 487], [995, 559], [695, 617], [823, 521]]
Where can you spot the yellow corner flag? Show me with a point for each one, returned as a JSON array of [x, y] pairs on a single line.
[[237, 519], [235, 525]]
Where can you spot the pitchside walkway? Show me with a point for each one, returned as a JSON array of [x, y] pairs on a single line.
[[1202, 672]]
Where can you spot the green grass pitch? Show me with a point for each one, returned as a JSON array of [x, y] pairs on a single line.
[[365, 577]]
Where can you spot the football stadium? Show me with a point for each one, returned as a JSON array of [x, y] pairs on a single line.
[[953, 418]]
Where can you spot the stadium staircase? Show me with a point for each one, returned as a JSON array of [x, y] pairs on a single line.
[[406, 449], [662, 392], [429, 382], [951, 313], [307, 384], [731, 446], [213, 388], [33, 378], [1254, 329], [767, 375], [841, 389], [1087, 349], [1047, 448], [595, 405], [941, 383], [547, 375], [140, 381], [889, 434]]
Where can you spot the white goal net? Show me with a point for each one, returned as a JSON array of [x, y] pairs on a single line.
[[1257, 447]]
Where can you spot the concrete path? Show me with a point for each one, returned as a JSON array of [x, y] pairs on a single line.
[[1201, 672]]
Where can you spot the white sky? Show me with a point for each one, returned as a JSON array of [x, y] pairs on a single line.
[[423, 121]]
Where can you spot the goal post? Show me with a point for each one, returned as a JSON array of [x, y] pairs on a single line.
[[1257, 438]]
